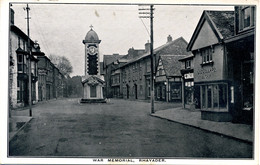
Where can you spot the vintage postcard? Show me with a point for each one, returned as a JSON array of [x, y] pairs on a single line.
[[151, 82]]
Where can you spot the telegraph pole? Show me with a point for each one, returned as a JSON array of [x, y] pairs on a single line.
[[150, 15], [29, 62]]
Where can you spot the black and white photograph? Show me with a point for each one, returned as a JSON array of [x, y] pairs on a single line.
[[129, 83]]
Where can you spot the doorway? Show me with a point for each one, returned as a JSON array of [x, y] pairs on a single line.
[[135, 88], [127, 91], [93, 91]]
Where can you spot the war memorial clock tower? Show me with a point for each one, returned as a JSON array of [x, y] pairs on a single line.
[[92, 82]]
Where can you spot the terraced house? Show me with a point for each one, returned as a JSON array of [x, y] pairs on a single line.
[[133, 73], [47, 81], [18, 67]]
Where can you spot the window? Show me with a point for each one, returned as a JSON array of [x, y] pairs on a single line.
[[160, 72], [20, 90], [148, 66], [20, 63], [247, 17], [206, 55], [188, 64], [214, 96]]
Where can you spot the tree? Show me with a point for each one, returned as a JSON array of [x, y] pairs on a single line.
[[62, 63]]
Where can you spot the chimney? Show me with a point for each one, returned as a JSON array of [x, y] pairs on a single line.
[[169, 38], [147, 46], [11, 16]]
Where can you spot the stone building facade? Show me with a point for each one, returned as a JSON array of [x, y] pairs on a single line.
[[132, 75], [18, 67], [52, 83]]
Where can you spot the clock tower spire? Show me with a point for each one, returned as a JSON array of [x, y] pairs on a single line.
[[92, 82], [92, 59]]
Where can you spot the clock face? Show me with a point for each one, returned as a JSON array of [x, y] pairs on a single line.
[[92, 50]]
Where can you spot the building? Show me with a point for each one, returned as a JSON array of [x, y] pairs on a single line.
[[168, 86], [187, 72], [19, 55], [210, 64], [241, 59], [52, 83], [223, 48], [134, 81], [108, 66]]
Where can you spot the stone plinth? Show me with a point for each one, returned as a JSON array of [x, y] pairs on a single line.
[[93, 89]]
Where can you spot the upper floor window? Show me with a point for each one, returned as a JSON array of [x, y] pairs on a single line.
[[206, 55], [21, 63], [188, 64], [247, 17]]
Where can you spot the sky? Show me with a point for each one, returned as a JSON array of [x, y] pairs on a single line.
[[61, 28]]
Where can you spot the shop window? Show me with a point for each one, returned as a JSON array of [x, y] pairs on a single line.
[[214, 96], [158, 92], [203, 97], [209, 94], [163, 92], [175, 92], [223, 96]]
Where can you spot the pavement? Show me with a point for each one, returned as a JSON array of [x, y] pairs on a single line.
[[242, 132]]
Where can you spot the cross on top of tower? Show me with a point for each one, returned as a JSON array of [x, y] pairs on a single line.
[[91, 27]]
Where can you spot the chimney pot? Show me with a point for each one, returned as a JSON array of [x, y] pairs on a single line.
[[169, 38]]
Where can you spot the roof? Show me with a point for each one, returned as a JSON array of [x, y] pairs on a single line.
[[176, 44], [108, 59], [221, 22], [187, 57], [91, 37], [224, 21], [20, 33], [171, 64]]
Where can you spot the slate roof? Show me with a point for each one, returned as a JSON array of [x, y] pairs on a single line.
[[176, 51], [186, 57], [171, 64], [224, 21], [108, 59], [221, 22]]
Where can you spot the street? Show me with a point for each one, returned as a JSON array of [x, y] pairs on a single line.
[[120, 128]]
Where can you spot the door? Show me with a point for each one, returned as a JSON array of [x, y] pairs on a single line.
[[135, 91], [93, 91], [127, 91]]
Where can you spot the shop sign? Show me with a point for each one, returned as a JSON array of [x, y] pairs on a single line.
[[188, 75], [206, 73]]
